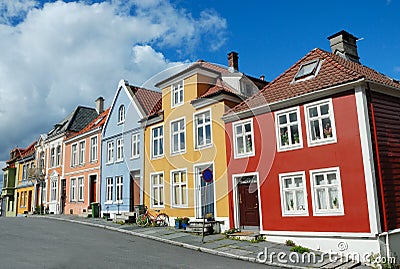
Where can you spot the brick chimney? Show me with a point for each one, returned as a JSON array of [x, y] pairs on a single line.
[[344, 45], [100, 105], [233, 61]]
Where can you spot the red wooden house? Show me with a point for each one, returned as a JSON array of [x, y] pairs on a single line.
[[315, 156]]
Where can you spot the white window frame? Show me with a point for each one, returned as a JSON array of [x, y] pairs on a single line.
[[324, 140], [53, 190], [238, 155], [135, 150], [283, 190], [73, 190], [109, 189], [110, 152], [158, 186], [119, 185], [81, 189], [158, 138], [58, 155], [74, 151], [120, 150], [203, 125], [180, 186], [329, 211], [178, 133], [290, 145], [121, 114], [177, 88], [82, 152], [94, 142], [52, 157]]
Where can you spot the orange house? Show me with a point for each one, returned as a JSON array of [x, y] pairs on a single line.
[[82, 166]]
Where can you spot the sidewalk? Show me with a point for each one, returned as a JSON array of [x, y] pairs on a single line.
[[217, 244]]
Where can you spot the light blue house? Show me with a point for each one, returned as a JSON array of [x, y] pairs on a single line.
[[123, 149]]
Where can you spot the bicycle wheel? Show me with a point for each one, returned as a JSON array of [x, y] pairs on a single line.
[[142, 220], [162, 219]]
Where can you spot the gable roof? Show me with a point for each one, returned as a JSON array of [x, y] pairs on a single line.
[[146, 98], [98, 122], [74, 122], [334, 70], [220, 87]]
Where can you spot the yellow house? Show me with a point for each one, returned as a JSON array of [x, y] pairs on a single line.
[[185, 140], [25, 185]]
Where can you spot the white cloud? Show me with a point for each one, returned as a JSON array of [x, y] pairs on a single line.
[[14, 9], [66, 54]]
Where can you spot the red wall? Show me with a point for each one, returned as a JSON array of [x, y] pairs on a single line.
[[345, 154]]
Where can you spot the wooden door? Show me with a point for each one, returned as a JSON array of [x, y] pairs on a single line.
[[248, 204], [29, 201], [93, 189]]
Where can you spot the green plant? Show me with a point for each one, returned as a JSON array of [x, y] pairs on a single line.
[[290, 243], [258, 239], [296, 138], [335, 202], [231, 231], [185, 220], [299, 249]]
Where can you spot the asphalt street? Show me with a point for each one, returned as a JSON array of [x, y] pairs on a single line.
[[45, 243]]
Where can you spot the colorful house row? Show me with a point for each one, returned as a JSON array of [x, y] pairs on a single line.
[[311, 157]]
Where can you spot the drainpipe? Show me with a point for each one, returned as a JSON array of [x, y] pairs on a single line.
[[377, 158]]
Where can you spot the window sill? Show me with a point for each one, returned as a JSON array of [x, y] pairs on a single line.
[[329, 213], [241, 156], [109, 163], [108, 203], [157, 157], [322, 142], [119, 161], [135, 157], [180, 206], [177, 153], [157, 207], [295, 214], [204, 147], [289, 148]]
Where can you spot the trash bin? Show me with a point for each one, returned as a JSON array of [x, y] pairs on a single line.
[[95, 210], [139, 209]]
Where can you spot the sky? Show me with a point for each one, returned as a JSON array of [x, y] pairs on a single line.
[[56, 55]]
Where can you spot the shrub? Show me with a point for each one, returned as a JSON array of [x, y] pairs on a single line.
[[290, 243], [299, 249]]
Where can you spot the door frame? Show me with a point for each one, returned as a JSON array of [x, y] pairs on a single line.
[[197, 202], [236, 205], [90, 190]]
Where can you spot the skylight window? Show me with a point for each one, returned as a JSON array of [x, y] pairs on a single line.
[[307, 69]]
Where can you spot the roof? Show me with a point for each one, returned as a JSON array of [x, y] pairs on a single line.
[[147, 99], [29, 150], [220, 87], [96, 123], [74, 122], [334, 70]]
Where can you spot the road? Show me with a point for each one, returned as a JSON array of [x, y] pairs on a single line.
[[45, 243]]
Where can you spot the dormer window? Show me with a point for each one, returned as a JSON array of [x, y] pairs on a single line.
[[177, 94], [121, 114], [307, 69]]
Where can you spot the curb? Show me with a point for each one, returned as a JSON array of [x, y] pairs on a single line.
[[179, 244]]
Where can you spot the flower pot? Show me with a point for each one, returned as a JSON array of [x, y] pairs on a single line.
[[184, 225], [178, 224]]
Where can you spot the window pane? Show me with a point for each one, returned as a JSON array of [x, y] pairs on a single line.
[[300, 200], [282, 119], [208, 133], [249, 144], [200, 139], [161, 195], [324, 109], [293, 117], [333, 198], [321, 199], [200, 119], [240, 144], [327, 127], [315, 132], [247, 127], [294, 130], [238, 129], [319, 180], [312, 112], [288, 182], [331, 178], [298, 182], [289, 200]]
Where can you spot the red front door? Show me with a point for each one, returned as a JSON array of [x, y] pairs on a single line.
[[248, 204]]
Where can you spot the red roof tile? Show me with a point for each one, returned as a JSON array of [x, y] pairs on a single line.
[[219, 87], [334, 70], [148, 99]]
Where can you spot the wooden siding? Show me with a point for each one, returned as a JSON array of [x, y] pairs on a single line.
[[386, 119]]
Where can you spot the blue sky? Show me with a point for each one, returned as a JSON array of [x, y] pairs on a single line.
[[57, 55]]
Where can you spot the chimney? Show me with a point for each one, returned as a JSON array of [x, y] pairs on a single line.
[[100, 105], [233, 61], [344, 45], [262, 77]]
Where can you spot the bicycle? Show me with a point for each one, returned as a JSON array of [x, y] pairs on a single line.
[[161, 219]]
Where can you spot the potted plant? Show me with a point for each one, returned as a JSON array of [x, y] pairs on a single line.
[[335, 203], [178, 223], [185, 222], [296, 138], [328, 130], [285, 137], [291, 204], [209, 216]]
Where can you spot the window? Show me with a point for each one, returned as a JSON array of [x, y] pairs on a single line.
[[307, 69], [177, 94], [110, 152], [135, 145], [320, 123], [202, 123], [157, 189], [58, 158], [80, 188], [293, 194], [44, 190], [24, 167], [109, 189], [41, 160], [178, 136], [82, 146], [73, 189], [120, 150], [93, 149], [288, 129], [179, 188], [119, 190], [53, 190], [157, 137], [73, 155], [327, 192], [121, 114], [243, 138], [52, 157]]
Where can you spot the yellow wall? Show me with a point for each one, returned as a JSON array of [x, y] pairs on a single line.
[[215, 154], [23, 190]]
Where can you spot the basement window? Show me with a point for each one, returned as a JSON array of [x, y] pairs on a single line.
[[307, 69]]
